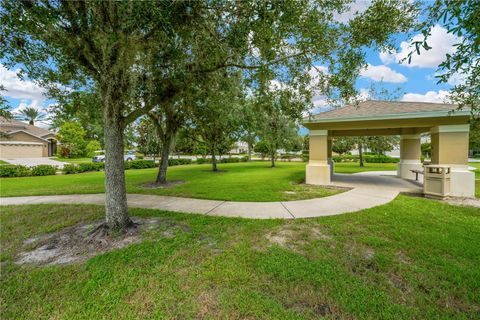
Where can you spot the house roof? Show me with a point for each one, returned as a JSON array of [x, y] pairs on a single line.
[[12, 125], [26, 132], [375, 109]]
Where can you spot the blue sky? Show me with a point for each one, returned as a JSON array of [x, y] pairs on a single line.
[[416, 80]]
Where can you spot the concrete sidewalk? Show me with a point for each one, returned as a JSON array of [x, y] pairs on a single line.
[[369, 190], [31, 162]]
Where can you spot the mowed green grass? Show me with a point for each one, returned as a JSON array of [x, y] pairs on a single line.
[[477, 177], [72, 160], [254, 181], [410, 259]]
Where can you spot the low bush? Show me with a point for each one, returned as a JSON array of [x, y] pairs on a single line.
[[70, 169], [139, 164], [202, 160], [288, 157], [378, 158], [381, 159], [229, 160], [90, 166], [9, 171], [177, 162], [44, 170]]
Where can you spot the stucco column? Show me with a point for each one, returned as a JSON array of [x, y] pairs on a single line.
[[329, 156], [410, 154], [318, 169], [450, 147]]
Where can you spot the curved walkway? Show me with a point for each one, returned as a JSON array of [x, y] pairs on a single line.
[[370, 189]]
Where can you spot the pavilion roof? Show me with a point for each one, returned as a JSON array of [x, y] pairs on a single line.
[[375, 109]]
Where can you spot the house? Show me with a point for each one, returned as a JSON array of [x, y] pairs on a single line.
[[240, 147], [22, 140]]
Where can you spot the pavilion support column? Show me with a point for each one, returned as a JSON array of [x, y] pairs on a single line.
[[410, 154], [329, 156], [318, 170], [450, 148]]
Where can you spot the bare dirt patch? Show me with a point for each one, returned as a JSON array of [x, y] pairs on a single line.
[[156, 185], [83, 241], [293, 236]]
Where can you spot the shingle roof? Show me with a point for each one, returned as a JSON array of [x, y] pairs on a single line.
[[372, 108], [14, 125]]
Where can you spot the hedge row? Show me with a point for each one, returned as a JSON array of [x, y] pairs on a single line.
[[177, 162], [45, 170], [224, 160], [23, 171], [98, 166], [367, 158]]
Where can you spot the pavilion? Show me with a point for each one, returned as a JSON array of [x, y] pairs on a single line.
[[448, 127]]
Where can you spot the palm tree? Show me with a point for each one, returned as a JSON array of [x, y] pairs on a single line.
[[31, 115]]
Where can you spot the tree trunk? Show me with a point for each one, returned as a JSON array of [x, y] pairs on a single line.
[[250, 147], [214, 161], [115, 191], [360, 154], [162, 170], [273, 160]]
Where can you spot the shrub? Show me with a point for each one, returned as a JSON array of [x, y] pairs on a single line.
[[14, 171], [229, 160], [378, 158], [72, 138], [177, 162], [70, 169], [90, 166], [305, 155], [92, 146], [244, 159], [139, 164], [288, 157], [44, 170], [202, 160]]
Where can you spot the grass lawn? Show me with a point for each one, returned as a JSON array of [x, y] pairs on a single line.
[[410, 259], [254, 181], [477, 177], [2, 162], [354, 167], [476, 165], [74, 160]]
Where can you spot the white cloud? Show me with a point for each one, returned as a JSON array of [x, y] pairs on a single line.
[[319, 102], [364, 94], [440, 41], [276, 85], [441, 96], [17, 88], [382, 73], [355, 8]]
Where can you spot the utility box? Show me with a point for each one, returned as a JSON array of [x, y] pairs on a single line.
[[436, 181]]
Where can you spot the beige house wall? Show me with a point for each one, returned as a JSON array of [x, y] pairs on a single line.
[[9, 151], [28, 150]]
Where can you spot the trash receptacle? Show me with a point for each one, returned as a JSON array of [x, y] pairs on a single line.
[[436, 181]]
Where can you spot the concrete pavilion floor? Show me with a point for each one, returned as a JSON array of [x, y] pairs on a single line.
[[369, 189]]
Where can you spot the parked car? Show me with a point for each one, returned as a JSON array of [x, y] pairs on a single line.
[[100, 157]]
